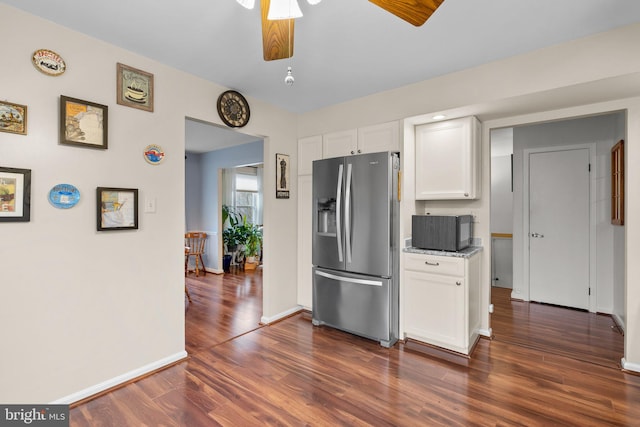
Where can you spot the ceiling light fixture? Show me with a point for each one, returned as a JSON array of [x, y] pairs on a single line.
[[247, 3], [284, 9], [288, 80]]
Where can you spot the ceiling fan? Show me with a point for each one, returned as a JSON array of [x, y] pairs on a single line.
[[277, 31]]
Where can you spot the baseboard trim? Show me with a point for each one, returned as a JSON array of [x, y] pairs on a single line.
[[120, 379], [619, 323], [486, 332], [267, 320], [214, 270], [631, 367]]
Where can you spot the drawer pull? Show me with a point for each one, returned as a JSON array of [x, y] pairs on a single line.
[[432, 263], [458, 283]]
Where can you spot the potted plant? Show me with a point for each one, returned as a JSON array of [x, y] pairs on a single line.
[[231, 237], [254, 242]]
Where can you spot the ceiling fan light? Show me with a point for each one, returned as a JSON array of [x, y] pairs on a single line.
[[247, 3], [288, 80], [284, 9]]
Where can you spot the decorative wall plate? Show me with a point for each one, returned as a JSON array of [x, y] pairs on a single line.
[[64, 196], [48, 62], [153, 154]]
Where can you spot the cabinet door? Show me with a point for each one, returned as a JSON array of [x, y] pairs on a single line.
[[309, 149], [338, 144], [434, 310], [305, 215], [446, 160], [382, 137]]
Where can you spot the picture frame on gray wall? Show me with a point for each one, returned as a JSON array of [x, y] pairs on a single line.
[[83, 123]]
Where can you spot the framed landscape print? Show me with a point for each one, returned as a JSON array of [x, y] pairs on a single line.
[[15, 195], [117, 208], [83, 123], [282, 176], [135, 88], [13, 118]]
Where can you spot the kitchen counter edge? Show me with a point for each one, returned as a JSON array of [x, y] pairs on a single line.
[[465, 253]]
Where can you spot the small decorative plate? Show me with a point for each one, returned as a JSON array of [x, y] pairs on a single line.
[[48, 62], [64, 196], [153, 154]]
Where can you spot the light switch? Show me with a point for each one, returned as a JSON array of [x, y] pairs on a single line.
[[150, 205]]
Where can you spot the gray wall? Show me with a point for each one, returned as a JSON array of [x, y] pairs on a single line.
[[201, 196]]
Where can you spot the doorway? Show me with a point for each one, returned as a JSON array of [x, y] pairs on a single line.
[[606, 242], [241, 201], [209, 149]]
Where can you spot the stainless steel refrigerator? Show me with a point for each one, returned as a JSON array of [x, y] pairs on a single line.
[[355, 245]]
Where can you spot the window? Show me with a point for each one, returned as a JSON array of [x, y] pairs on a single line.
[[244, 186]]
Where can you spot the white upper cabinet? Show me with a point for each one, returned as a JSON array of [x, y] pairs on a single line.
[[309, 149], [377, 138], [337, 144], [369, 139], [447, 160]]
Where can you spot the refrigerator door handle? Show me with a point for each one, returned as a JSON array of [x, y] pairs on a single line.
[[349, 279], [339, 214], [347, 213]]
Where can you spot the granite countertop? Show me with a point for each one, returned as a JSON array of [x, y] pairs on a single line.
[[465, 253]]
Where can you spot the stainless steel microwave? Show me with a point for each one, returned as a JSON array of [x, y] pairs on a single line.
[[441, 232]]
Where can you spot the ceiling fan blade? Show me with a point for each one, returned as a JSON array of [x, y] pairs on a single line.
[[415, 12], [277, 36]]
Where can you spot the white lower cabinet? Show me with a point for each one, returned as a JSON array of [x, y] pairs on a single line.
[[441, 301]]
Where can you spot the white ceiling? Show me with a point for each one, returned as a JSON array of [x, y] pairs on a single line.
[[344, 49]]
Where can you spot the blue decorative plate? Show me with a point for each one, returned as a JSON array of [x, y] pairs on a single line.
[[64, 196]]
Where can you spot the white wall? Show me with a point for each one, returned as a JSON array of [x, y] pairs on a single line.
[[82, 310], [566, 80]]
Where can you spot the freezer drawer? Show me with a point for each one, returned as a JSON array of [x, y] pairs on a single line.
[[361, 305]]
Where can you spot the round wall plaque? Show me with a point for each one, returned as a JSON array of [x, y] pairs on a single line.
[[64, 196], [153, 154], [48, 62]]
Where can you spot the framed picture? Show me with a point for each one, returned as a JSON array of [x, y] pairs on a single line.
[[117, 208], [135, 88], [282, 176], [15, 195], [13, 118], [617, 183], [83, 123]]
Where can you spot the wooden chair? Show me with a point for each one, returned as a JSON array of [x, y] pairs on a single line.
[[186, 291], [195, 242]]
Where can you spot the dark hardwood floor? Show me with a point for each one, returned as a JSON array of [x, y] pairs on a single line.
[[293, 374], [590, 337]]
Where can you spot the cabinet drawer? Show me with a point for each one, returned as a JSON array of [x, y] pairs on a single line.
[[451, 266]]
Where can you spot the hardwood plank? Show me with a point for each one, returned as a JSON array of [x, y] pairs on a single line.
[[575, 333], [546, 366]]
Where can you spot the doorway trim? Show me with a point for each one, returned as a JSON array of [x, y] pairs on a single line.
[[592, 216]]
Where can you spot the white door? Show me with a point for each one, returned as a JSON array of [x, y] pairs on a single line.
[[559, 227]]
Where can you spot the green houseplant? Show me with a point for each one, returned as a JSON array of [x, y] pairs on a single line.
[[231, 236], [254, 240]]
